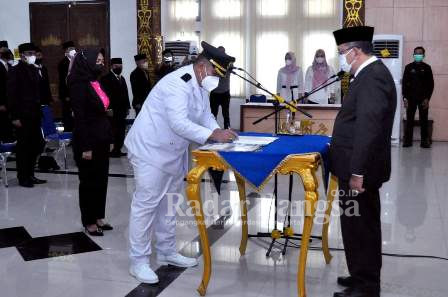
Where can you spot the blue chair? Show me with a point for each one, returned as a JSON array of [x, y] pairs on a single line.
[[6, 150], [257, 98], [51, 133]]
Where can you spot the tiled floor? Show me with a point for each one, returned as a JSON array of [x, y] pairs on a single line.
[[414, 207]]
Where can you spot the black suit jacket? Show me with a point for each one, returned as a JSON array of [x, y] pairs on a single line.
[[92, 127], [24, 93], [361, 141], [141, 86], [418, 82], [3, 82], [63, 71], [46, 97], [117, 91]]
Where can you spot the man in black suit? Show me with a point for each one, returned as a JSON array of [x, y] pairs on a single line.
[[24, 101], [116, 89], [45, 90], [418, 85], [5, 125], [360, 157], [67, 114], [140, 83]]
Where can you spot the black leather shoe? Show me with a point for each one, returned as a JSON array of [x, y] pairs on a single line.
[[37, 181], [105, 227], [425, 144], [407, 144], [346, 281], [117, 154], [26, 183], [97, 232], [356, 292]]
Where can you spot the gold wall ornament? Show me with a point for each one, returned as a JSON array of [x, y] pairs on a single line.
[[354, 13], [51, 40], [149, 39], [89, 41], [322, 130]]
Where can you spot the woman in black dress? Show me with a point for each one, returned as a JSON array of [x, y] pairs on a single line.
[[91, 138]]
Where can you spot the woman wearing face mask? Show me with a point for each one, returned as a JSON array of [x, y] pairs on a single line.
[[316, 76], [91, 138], [290, 79]]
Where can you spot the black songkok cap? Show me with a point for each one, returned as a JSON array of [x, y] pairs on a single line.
[[350, 34], [4, 43], [139, 57], [68, 44], [116, 61], [24, 47]]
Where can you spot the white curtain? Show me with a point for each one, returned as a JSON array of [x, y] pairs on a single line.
[[259, 33]]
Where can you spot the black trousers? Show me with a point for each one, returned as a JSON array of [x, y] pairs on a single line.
[[67, 116], [423, 117], [119, 132], [93, 177], [361, 235], [30, 144], [6, 131], [223, 99]]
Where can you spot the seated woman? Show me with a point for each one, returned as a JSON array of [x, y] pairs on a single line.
[[316, 75]]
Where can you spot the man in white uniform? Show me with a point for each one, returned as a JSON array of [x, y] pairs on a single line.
[[176, 112]]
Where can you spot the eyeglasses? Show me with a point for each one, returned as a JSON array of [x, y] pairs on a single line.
[[346, 50]]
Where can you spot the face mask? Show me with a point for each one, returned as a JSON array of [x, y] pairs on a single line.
[[288, 62], [418, 58], [117, 71], [98, 69], [209, 83], [31, 60], [71, 54], [11, 62], [320, 60], [145, 65], [343, 62]]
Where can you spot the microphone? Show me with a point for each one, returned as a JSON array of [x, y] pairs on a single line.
[[340, 74], [231, 67]]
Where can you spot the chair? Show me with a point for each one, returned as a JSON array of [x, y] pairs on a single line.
[[51, 133], [257, 98], [5, 150]]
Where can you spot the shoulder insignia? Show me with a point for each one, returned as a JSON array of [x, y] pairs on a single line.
[[186, 77]]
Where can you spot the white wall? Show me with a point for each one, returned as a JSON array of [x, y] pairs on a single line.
[[15, 27]]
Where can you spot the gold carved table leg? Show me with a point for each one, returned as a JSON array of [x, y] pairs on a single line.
[[332, 188], [194, 197], [310, 184], [243, 209]]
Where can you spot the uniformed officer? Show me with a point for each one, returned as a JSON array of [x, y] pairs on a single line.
[[418, 85], [176, 113]]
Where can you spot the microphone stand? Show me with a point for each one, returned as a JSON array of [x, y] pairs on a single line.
[[287, 231], [299, 99]]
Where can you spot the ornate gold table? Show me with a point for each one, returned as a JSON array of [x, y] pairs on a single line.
[[304, 165]]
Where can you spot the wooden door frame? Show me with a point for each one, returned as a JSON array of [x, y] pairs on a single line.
[[67, 3]]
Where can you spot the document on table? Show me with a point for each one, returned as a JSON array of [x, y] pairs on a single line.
[[242, 144]]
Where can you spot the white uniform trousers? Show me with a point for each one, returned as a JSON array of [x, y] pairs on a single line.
[[149, 211]]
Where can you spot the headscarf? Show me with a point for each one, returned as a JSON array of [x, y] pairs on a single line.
[[320, 71], [290, 70], [83, 70], [83, 66]]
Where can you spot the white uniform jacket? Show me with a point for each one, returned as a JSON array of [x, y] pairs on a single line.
[[176, 112]]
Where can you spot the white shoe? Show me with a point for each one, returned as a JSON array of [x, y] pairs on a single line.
[[143, 273], [177, 260]]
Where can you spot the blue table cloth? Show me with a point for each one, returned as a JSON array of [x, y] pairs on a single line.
[[256, 167]]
